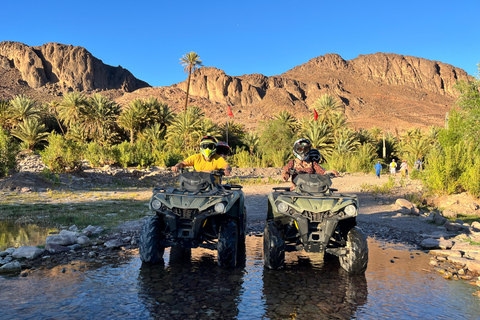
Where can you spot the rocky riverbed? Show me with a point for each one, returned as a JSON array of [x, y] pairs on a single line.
[[388, 217]]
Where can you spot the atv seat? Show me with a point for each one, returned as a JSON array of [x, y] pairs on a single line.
[[312, 182], [196, 181]]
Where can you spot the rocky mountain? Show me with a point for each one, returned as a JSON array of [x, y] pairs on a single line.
[[53, 69], [386, 90]]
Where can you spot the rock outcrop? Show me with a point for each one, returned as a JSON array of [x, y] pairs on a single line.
[[64, 67], [382, 86]]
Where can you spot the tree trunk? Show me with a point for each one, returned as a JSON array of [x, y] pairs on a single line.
[[188, 88]]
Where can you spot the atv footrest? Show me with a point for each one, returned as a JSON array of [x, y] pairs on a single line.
[[336, 251]]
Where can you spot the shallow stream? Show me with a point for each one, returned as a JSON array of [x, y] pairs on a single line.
[[398, 284]]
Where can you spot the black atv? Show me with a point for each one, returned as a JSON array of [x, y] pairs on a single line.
[[199, 213], [315, 219]]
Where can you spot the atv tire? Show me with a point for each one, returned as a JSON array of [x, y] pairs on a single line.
[[356, 259], [149, 245], [227, 245], [273, 246]]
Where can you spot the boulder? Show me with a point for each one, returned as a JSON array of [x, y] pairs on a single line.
[[91, 230], [449, 214], [27, 252], [61, 239], [113, 244], [82, 240], [11, 267]]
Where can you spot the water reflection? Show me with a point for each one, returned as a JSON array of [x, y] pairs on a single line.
[[308, 288], [16, 235], [190, 285]]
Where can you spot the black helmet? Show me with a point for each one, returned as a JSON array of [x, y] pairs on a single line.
[[301, 148], [223, 148], [314, 156]]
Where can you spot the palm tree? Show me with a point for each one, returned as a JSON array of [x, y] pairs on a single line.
[[191, 61], [134, 117], [5, 118], [52, 108], [181, 132], [287, 119], [158, 112], [251, 140], [71, 108], [154, 134], [22, 108], [319, 135], [30, 132], [99, 118], [326, 106]]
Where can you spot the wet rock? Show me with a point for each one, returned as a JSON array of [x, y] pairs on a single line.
[[91, 230], [113, 243], [56, 248], [11, 267], [430, 244], [75, 246], [62, 240], [73, 228], [27, 252], [83, 240], [6, 260]]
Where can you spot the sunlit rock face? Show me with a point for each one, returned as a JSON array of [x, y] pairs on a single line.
[[68, 67]]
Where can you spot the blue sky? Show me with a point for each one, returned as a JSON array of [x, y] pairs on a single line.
[[269, 37]]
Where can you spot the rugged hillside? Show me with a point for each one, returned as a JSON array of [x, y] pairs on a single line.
[[389, 91], [54, 68]]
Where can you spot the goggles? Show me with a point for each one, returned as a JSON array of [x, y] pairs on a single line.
[[303, 149], [210, 146]]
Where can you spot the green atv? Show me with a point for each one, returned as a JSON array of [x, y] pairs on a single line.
[[199, 213], [315, 219]]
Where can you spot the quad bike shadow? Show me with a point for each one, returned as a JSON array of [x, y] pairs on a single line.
[[200, 212], [315, 219]]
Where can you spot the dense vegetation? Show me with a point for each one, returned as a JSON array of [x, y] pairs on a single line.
[[147, 132]]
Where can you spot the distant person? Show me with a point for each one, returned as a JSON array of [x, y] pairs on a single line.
[[404, 168], [378, 169], [418, 165], [393, 167]]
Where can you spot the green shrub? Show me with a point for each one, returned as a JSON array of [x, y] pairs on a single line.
[[61, 155], [99, 155], [8, 152], [171, 158]]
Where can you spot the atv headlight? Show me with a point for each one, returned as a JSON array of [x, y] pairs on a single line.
[[156, 204], [350, 210], [282, 207], [219, 207]]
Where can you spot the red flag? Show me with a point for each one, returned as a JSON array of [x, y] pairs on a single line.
[[229, 112], [315, 114]]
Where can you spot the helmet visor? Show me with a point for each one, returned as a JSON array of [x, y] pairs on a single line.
[[210, 146]]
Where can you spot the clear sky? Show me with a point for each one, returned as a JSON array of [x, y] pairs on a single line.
[[242, 37]]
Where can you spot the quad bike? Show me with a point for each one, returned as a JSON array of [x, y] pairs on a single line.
[[315, 219], [198, 213]]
